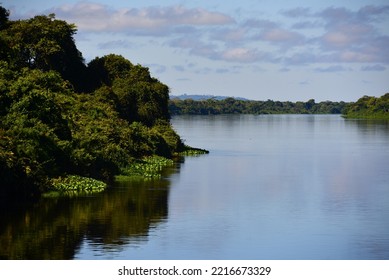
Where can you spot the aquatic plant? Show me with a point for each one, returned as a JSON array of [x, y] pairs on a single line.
[[148, 167], [74, 184], [190, 151]]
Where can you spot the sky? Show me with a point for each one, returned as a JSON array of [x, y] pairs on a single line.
[[257, 49]]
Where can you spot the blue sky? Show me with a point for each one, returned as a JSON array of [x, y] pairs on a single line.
[[257, 49]]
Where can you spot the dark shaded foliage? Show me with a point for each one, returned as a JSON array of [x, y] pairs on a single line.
[[49, 128], [136, 95], [44, 43]]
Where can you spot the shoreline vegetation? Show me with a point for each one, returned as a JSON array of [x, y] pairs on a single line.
[[369, 107], [70, 127], [231, 105]]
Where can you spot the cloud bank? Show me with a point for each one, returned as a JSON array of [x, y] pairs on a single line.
[[101, 18], [332, 35]]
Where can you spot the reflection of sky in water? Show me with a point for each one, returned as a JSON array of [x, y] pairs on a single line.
[[289, 187]]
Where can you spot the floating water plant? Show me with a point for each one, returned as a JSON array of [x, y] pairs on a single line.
[[149, 167], [75, 185], [189, 151]]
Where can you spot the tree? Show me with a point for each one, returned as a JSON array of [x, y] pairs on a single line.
[[105, 70], [369, 107], [45, 43], [35, 136], [4, 50], [138, 96], [4, 14], [310, 104]]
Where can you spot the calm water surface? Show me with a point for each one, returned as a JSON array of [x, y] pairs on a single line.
[[272, 187]]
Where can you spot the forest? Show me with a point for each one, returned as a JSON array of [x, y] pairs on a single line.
[[369, 107], [237, 106], [64, 120]]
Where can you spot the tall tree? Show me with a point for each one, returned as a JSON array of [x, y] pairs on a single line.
[[4, 14], [138, 96], [45, 43]]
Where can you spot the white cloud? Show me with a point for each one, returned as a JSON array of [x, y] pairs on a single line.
[[376, 67], [97, 17], [332, 35], [179, 68], [345, 34], [307, 24], [332, 68], [302, 58], [352, 56], [230, 35], [341, 36], [297, 12], [259, 23], [279, 35], [240, 55], [337, 38], [116, 44]]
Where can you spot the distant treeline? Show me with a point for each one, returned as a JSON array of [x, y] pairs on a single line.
[[369, 107], [235, 106]]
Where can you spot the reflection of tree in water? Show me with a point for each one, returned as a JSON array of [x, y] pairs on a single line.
[[55, 228], [43, 231], [128, 214], [370, 128]]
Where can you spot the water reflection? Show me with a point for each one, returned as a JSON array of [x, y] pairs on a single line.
[[297, 187], [56, 228], [273, 187], [370, 128]]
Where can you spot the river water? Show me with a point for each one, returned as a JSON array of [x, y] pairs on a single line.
[[272, 187]]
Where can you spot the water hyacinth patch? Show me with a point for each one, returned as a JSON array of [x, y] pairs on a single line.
[[149, 167], [190, 151], [73, 184]]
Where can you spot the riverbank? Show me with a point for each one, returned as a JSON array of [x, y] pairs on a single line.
[[369, 107], [150, 167], [63, 127]]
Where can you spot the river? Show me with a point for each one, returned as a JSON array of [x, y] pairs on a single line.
[[272, 187]]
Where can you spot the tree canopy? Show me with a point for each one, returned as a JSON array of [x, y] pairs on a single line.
[[369, 107], [136, 95], [236, 106], [45, 43], [59, 116]]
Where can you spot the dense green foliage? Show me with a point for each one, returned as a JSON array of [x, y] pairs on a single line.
[[369, 107], [44, 43], [236, 106], [59, 116]]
